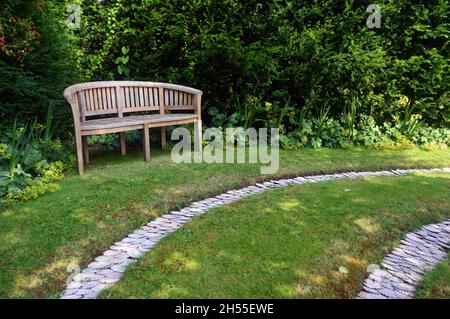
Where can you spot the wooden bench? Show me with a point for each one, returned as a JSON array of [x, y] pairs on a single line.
[[116, 107]]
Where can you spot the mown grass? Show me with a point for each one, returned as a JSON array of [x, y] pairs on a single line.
[[39, 239], [289, 243], [436, 283]]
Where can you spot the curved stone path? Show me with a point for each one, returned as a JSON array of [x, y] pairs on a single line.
[[107, 269], [406, 265]]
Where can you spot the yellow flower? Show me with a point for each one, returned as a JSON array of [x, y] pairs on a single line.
[[403, 101], [3, 151]]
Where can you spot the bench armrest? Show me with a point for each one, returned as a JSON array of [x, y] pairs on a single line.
[[198, 104], [75, 110]]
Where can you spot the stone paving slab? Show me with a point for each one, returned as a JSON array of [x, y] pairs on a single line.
[[108, 268], [405, 266]]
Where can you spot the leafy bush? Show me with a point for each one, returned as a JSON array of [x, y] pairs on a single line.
[[389, 136], [36, 62], [30, 161], [401, 143], [44, 182]]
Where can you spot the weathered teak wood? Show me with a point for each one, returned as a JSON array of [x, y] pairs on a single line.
[[123, 148], [146, 141], [117, 106], [163, 138], [85, 149]]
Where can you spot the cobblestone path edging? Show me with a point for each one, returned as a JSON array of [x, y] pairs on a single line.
[[406, 265], [107, 269]]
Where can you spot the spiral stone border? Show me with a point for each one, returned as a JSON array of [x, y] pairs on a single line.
[[406, 265], [108, 268]]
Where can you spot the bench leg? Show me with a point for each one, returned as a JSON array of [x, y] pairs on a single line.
[[85, 149], [198, 136], [146, 142], [123, 148], [163, 138], [79, 144]]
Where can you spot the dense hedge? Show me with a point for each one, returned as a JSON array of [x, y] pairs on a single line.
[[258, 62], [306, 53]]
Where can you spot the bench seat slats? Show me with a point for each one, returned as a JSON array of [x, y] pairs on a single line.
[[115, 122]]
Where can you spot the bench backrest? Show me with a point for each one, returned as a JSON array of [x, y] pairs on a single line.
[[121, 97]]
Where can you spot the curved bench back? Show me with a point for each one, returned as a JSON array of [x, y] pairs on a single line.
[[120, 97]]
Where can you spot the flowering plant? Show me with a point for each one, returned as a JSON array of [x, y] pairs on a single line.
[[18, 36]]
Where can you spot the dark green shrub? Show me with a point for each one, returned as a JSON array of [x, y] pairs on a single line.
[[317, 53], [36, 62]]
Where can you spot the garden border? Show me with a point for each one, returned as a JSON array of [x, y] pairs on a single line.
[[108, 268], [407, 264]]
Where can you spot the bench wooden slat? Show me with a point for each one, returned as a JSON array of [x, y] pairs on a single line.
[[126, 95], [92, 102], [152, 96], [103, 98], [133, 120], [111, 98], [87, 101], [96, 104], [137, 98], [132, 97], [141, 96]]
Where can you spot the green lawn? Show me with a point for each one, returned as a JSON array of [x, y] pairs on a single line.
[[39, 239], [436, 284], [290, 242]]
